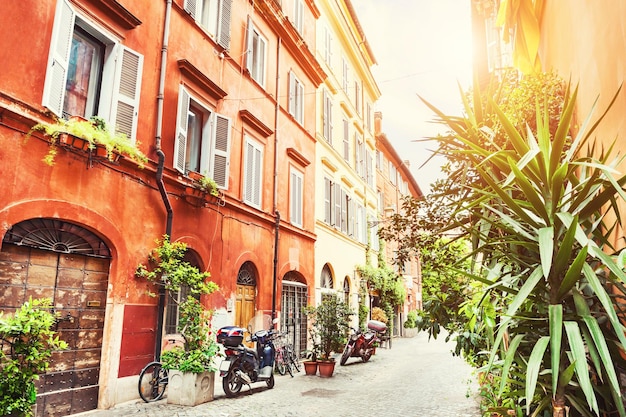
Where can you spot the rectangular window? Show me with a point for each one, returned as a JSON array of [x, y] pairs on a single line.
[[392, 173], [357, 96], [327, 117], [202, 140], [91, 74], [328, 46], [344, 75], [213, 16], [344, 211], [346, 140], [253, 173], [369, 171], [296, 98], [368, 117], [172, 313], [359, 156], [351, 216], [360, 226], [298, 16], [379, 161], [255, 53], [295, 206]]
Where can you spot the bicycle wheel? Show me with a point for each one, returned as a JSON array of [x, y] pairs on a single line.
[[152, 382], [295, 361], [280, 362]]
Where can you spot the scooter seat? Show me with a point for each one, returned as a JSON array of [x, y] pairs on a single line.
[[369, 336]]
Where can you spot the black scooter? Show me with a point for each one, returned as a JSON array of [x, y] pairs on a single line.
[[244, 365]]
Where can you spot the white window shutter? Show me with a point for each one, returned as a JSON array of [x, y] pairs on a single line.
[[125, 111], [223, 24], [221, 151], [258, 176], [192, 7], [58, 61], [249, 45], [292, 94], [180, 144]]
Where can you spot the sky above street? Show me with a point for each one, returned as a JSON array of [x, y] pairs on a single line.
[[422, 47]]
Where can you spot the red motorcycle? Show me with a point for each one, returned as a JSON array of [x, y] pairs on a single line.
[[362, 345]]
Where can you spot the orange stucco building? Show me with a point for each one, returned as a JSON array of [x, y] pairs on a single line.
[[214, 87]]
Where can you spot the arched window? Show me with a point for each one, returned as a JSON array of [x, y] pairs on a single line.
[[326, 280], [346, 290], [57, 236], [247, 274]]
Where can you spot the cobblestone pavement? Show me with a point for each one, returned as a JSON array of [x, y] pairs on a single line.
[[416, 377]]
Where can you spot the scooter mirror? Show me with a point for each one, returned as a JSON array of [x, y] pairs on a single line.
[[275, 321]]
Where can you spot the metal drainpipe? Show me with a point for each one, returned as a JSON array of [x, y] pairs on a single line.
[[159, 173], [276, 110]]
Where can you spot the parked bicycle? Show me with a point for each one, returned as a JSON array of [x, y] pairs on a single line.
[[286, 359], [153, 380]]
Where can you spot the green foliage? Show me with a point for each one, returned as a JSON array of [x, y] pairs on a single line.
[[330, 325], [388, 284], [27, 343], [411, 320], [200, 348], [363, 313], [208, 185], [540, 208], [168, 268], [95, 131]]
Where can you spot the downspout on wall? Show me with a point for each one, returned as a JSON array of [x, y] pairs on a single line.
[[159, 173], [275, 198]]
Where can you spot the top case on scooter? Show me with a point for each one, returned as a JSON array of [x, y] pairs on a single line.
[[230, 336], [377, 326]]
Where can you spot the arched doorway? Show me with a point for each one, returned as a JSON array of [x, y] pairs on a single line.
[[51, 258], [245, 300], [293, 321]]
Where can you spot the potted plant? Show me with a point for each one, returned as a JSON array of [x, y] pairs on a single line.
[[330, 327], [192, 368], [192, 374], [88, 135], [27, 343], [201, 185]]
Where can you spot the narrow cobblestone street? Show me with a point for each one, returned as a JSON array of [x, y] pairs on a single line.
[[413, 378]]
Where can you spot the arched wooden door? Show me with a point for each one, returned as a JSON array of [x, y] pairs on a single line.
[[47, 258], [245, 299]]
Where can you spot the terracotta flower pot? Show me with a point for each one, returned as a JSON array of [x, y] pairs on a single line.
[[326, 368], [310, 367]]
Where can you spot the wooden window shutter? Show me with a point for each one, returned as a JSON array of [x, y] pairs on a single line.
[[221, 151], [60, 47], [128, 90], [223, 24], [180, 145]]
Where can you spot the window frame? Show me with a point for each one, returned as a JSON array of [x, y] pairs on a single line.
[[216, 140], [327, 117], [298, 16], [120, 83], [256, 59], [219, 24], [296, 98]]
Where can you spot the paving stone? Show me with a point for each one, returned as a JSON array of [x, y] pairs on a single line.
[[416, 377]]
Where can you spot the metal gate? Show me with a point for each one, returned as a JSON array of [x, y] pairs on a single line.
[[293, 320]]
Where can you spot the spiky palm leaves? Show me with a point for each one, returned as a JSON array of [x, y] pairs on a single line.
[[541, 211]]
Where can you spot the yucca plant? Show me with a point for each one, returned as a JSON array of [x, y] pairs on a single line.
[[541, 209]]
